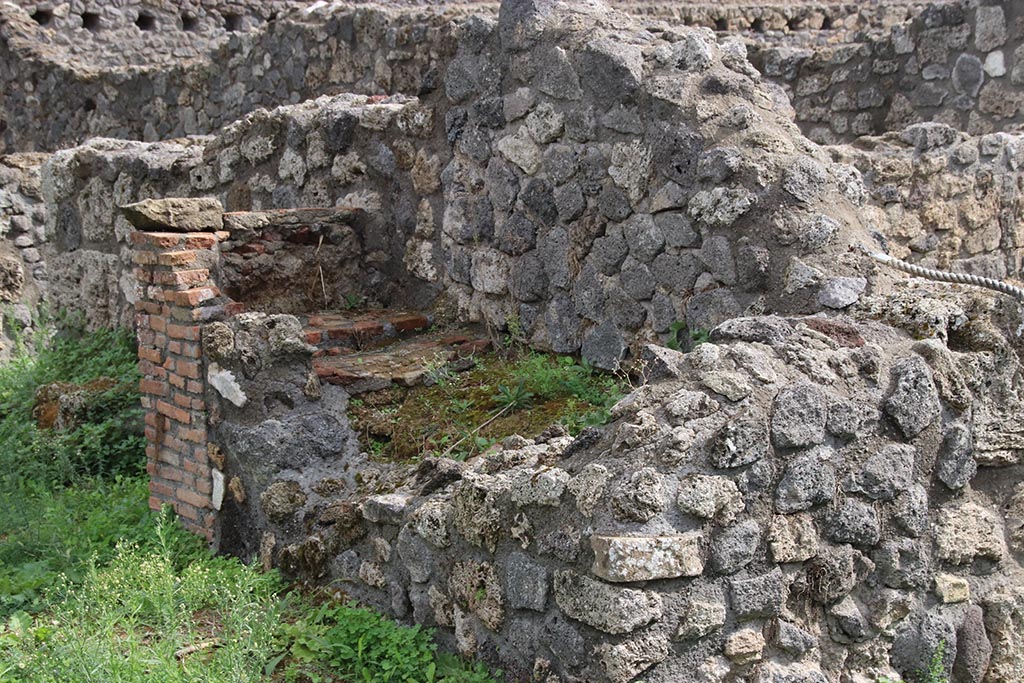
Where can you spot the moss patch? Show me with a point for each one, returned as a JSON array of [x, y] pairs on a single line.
[[461, 414]]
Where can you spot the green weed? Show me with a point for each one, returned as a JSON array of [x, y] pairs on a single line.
[[936, 672]]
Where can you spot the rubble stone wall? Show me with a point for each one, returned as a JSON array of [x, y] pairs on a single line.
[[959, 63], [803, 499]]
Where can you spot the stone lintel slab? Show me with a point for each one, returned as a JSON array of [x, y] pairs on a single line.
[[645, 558]]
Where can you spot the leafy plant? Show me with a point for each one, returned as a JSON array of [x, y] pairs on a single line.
[[513, 397], [681, 340], [936, 672]]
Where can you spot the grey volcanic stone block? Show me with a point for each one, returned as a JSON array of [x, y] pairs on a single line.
[[607, 608], [799, 416], [913, 402], [760, 596], [809, 480], [734, 547]]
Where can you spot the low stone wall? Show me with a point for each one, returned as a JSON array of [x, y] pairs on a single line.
[[810, 499], [958, 63]]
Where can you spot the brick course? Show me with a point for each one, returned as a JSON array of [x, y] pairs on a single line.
[[178, 296]]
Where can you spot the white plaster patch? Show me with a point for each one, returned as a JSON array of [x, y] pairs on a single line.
[[226, 385], [218, 489]]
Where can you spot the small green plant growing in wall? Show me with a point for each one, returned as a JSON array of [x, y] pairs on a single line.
[[936, 672], [679, 340]]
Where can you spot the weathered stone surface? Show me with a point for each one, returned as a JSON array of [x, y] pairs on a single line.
[[965, 532], [539, 488], [798, 416], [952, 588], [644, 558], [387, 508], [710, 497], [913, 402], [791, 638], [734, 548], [607, 608], [642, 496], [886, 473], [625, 661], [917, 640], [840, 292], [701, 617], [203, 214], [956, 466], [604, 346], [793, 538], [744, 646], [760, 596], [740, 442], [808, 480], [973, 648], [853, 521], [526, 583], [282, 499]]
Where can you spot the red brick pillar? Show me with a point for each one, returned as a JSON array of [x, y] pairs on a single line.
[[178, 294]]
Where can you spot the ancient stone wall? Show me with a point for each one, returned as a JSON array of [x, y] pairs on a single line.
[[959, 63], [23, 273], [810, 499], [944, 198]]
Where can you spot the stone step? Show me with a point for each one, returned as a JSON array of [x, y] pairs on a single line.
[[334, 333], [404, 363]]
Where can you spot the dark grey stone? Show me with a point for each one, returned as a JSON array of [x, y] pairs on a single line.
[[968, 75], [563, 325], [705, 310], [569, 202], [809, 480], [642, 496], [753, 267], [850, 623], [798, 416], [910, 510], [624, 310], [555, 75], [804, 179], [956, 465], [560, 162], [637, 280], [469, 218], [885, 473], [973, 649], [604, 347], [553, 249], [853, 521], [502, 184], [734, 548], [913, 402], [716, 255], [588, 294], [792, 639], [676, 272], [538, 197], [529, 282], [758, 597], [608, 252], [644, 237], [417, 555], [517, 235], [771, 330], [526, 583], [917, 640], [739, 442], [611, 69], [613, 203], [662, 313], [677, 229], [718, 165]]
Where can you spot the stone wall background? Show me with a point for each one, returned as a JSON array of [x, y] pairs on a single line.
[[959, 63]]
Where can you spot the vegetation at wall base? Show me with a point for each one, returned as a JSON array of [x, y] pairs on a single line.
[[96, 587]]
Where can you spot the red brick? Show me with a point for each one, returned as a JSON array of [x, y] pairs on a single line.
[[194, 297], [189, 369], [195, 387], [186, 511], [183, 400], [143, 275], [176, 381], [200, 470], [161, 240], [158, 323], [176, 258], [151, 354], [190, 350], [169, 473], [151, 467], [174, 347], [186, 332], [152, 451], [149, 307], [314, 336], [169, 364], [406, 323], [198, 404], [204, 487], [152, 386], [193, 435], [234, 308], [182, 278], [155, 503], [169, 457], [201, 241], [173, 412], [192, 498]]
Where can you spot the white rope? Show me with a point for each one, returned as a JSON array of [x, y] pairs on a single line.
[[944, 276]]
